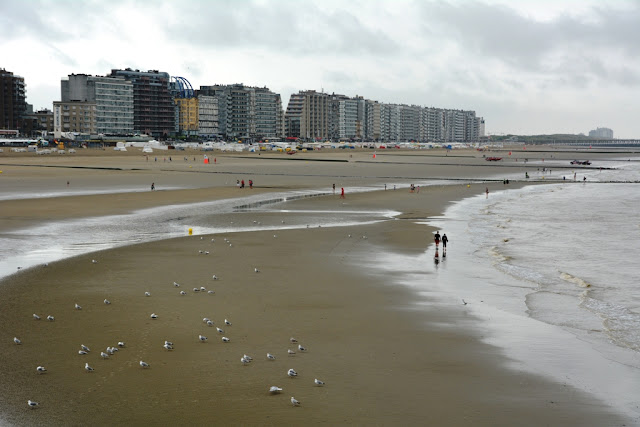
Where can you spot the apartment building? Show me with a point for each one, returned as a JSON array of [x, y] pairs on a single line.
[[188, 116], [13, 101], [153, 106], [113, 98], [74, 117]]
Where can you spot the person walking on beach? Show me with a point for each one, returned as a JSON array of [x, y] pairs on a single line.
[[486, 190], [242, 184], [238, 183], [342, 193], [436, 239], [153, 186], [445, 239], [251, 184], [334, 189]]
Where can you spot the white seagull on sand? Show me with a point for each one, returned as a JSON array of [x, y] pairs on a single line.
[[256, 270], [318, 382], [147, 294], [176, 284], [107, 302], [215, 277], [50, 318], [219, 330], [301, 348], [206, 319], [167, 346], [225, 339], [292, 373], [41, 369], [274, 390], [249, 358], [202, 288], [78, 307], [226, 322], [292, 339], [17, 341], [88, 368], [289, 351], [144, 364], [211, 292], [209, 323], [169, 343], [32, 404], [294, 401], [82, 352], [120, 344], [154, 316], [196, 290], [36, 317], [271, 356], [85, 348], [104, 355], [183, 293], [94, 261], [244, 361], [202, 338]]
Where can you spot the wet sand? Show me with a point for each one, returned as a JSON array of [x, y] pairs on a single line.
[[386, 357]]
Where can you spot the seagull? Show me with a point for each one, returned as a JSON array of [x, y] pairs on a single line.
[[85, 348], [301, 348], [292, 339], [225, 339], [147, 294], [17, 341], [120, 344], [271, 356], [291, 351], [219, 330], [154, 316], [41, 369], [50, 318], [200, 251], [107, 302], [209, 323], [318, 382], [292, 373], [78, 307], [349, 235], [249, 358], [202, 338], [206, 319], [176, 284], [104, 355], [196, 290], [32, 404], [202, 288], [206, 252], [256, 270], [144, 364], [88, 368], [82, 352], [183, 293], [211, 292], [274, 390], [94, 261], [113, 350], [244, 361], [169, 343], [274, 236], [110, 350], [36, 317], [167, 346], [294, 402], [464, 302], [215, 277], [226, 322]]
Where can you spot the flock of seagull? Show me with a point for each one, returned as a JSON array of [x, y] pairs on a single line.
[[169, 346]]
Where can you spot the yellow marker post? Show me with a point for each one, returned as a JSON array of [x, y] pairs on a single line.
[[190, 231]]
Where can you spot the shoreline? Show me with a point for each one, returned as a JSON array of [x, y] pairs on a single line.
[[383, 360]]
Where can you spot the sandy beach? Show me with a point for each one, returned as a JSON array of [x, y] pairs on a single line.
[[386, 357]]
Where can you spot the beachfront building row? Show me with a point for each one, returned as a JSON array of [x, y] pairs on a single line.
[[315, 115], [13, 101]]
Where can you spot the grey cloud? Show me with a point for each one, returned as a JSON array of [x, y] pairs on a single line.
[[499, 32], [293, 27]]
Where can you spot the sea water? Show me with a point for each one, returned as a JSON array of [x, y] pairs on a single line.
[[551, 271]]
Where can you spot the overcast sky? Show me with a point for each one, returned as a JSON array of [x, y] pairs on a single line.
[[526, 66]]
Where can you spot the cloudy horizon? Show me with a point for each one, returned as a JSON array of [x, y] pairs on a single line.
[[527, 67]]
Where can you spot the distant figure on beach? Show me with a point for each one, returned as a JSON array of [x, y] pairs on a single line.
[[342, 193], [412, 188], [250, 184], [584, 179], [242, 184], [385, 187], [153, 186], [334, 189], [238, 183], [67, 183], [436, 239], [445, 239], [486, 190]]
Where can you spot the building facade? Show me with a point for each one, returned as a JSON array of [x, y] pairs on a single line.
[[604, 133], [188, 116], [13, 101], [153, 107], [74, 117], [113, 97], [207, 116]]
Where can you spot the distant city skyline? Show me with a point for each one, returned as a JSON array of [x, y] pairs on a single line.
[[527, 67]]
